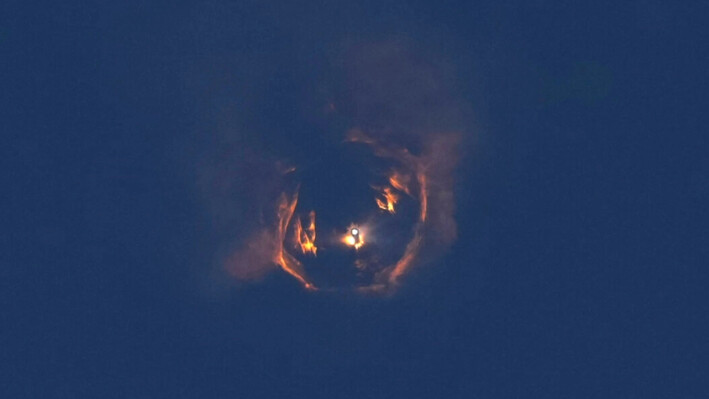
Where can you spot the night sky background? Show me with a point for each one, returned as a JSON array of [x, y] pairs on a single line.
[[580, 265]]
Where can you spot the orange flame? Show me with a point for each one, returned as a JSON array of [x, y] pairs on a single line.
[[390, 199], [285, 260], [305, 237]]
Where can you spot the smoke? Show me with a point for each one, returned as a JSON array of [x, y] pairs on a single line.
[[398, 92], [442, 156]]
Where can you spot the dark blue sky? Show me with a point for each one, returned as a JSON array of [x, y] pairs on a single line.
[[581, 204]]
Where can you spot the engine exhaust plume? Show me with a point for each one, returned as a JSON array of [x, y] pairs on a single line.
[[397, 105]]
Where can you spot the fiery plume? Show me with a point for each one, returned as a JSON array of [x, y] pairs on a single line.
[[399, 107]]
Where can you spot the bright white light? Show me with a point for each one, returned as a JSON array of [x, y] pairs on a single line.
[[355, 232]]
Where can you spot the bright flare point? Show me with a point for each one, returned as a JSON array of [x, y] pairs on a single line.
[[353, 238]]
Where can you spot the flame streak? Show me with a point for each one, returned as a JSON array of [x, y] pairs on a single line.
[[406, 259], [285, 260], [305, 237], [390, 199], [423, 195]]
